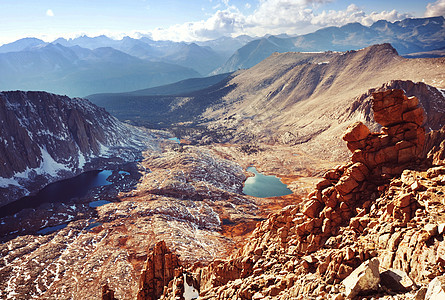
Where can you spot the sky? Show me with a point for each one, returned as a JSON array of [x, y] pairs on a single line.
[[195, 20]]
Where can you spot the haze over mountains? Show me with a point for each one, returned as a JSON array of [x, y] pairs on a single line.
[[406, 36], [85, 65]]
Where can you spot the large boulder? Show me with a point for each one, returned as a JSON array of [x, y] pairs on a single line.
[[436, 289], [363, 279]]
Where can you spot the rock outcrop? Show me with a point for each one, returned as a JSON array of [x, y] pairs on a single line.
[[161, 267], [46, 137], [163, 274], [435, 147], [383, 206]]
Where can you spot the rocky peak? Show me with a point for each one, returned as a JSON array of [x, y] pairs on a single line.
[[161, 267]]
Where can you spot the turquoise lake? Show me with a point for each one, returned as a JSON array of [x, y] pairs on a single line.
[[263, 186]]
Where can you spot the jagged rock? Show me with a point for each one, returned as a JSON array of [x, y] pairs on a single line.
[[363, 279], [436, 289], [107, 293], [312, 208], [161, 267], [396, 280], [435, 147]]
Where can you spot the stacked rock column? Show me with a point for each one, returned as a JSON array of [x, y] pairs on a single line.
[[348, 190]]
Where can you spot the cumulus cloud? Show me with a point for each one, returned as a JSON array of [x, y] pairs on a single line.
[[223, 22], [273, 17], [354, 14], [435, 9], [50, 13]]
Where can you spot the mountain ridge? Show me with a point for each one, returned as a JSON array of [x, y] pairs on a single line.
[[79, 71], [295, 98], [47, 137], [407, 36]]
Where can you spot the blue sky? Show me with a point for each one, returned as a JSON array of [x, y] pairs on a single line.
[[189, 20]]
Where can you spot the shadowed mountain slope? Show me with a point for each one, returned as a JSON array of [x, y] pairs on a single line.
[[46, 137], [157, 108], [291, 100]]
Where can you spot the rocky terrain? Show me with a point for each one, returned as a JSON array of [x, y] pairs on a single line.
[[179, 213], [303, 100], [46, 137], [371, 228], [176, 223], [188, 196]]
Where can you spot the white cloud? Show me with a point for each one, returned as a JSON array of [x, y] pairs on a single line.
[[50, 13], [435, 9], [248, 5], [223, 22], [273, 17], [354, 14]]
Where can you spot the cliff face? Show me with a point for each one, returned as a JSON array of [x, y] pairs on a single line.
[[45, 137]]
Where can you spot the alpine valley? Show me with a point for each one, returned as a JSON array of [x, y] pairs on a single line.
[[352, 122]]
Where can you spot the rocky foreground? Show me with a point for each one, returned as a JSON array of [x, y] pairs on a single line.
[[178, 225], [372, 228]]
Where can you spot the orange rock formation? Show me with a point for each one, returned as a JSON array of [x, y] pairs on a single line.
[[161, 267]]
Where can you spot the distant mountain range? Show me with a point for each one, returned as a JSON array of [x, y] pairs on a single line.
[[84, 65], [406, 36], [203, 57], [89, 65], [77, 71]]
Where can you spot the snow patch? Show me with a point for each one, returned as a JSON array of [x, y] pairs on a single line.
[[5, 182], [104, 150], [189, 291], [49, 165], [82, 160]]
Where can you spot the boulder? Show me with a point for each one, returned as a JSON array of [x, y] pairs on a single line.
[[396, 280], [363, 279], [436, 289], [345, 185], [356, 132], [312, 209]]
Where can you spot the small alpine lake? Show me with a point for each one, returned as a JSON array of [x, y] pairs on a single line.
[[263, 186]]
